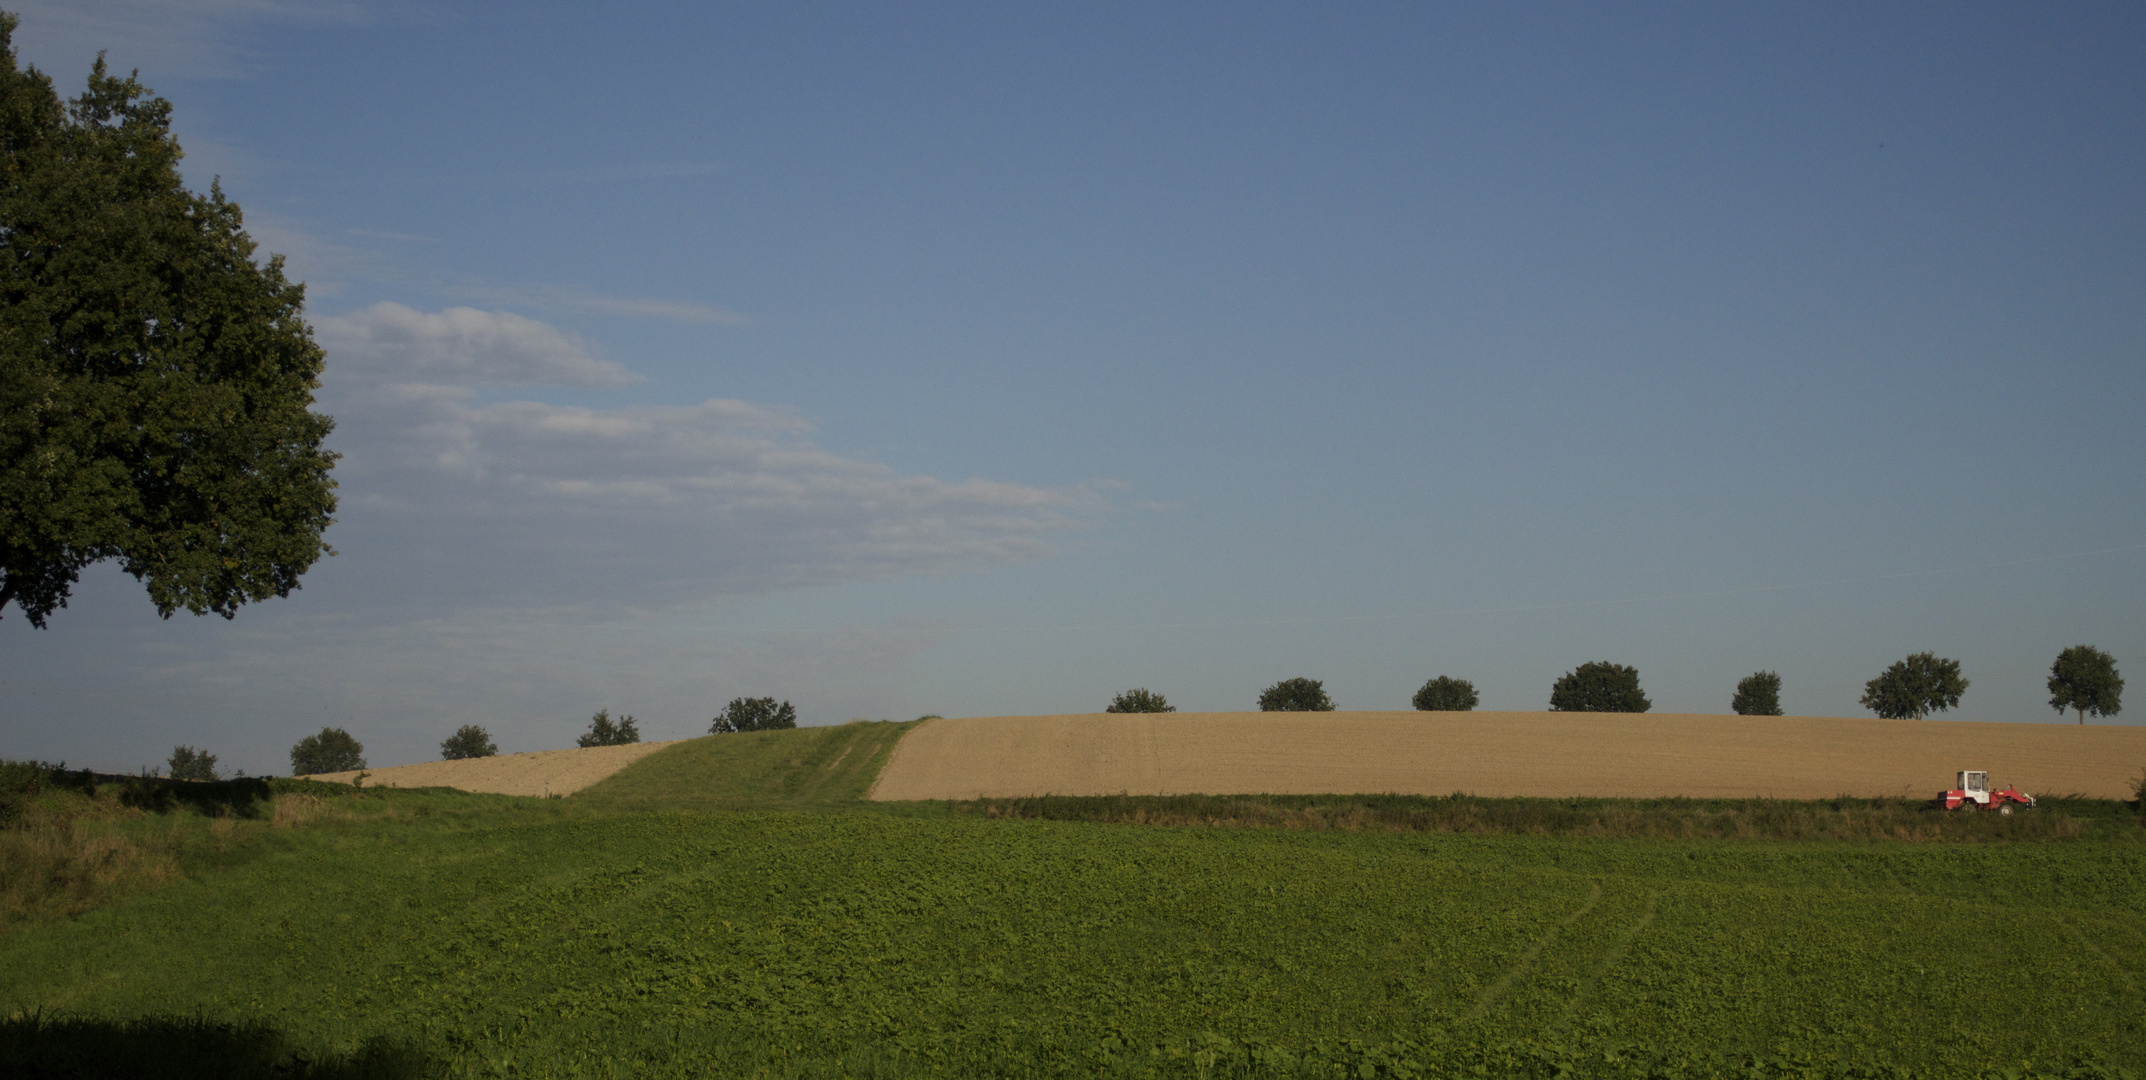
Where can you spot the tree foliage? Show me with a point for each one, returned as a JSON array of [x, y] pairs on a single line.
[[333, 750], [2084, 678], [1915, 687], [1599, 686], [1140, 700], [1295, 695], [155, 382], [754, 714], [188, 763], [1446, 694], [468, 741], [603, 731], [1758, 694]]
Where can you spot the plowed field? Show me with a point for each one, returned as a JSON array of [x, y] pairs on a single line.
[[1607, 755], [542, 772]]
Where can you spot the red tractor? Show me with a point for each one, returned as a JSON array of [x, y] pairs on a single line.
[[1974, 794]]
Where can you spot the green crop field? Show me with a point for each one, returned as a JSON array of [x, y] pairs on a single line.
[[458, 936]]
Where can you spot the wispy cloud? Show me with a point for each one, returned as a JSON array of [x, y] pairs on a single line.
[[577, 298], [464, 345], [195, 39]]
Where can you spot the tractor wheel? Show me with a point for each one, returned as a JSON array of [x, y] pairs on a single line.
[[2006, 809]]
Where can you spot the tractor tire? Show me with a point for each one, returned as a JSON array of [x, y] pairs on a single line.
[[2006, 809]]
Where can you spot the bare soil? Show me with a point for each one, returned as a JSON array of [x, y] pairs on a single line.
[[1605, 755], [554, 772]]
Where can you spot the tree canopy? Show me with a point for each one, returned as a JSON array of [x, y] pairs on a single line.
[[333, 750], [155, 382], [1139, 700], [754, 714], [1446, 694], [1599, 686], [603, 731], [1295, 695], [1758, 694], [2084, 678], [188, 763], [468, 741], [1914, 688]]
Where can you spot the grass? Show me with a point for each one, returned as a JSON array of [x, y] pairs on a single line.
[[814, 768]]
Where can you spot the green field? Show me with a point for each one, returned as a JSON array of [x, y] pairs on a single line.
[[442, 934]]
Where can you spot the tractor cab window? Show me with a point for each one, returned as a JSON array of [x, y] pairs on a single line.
[[1975, 781]]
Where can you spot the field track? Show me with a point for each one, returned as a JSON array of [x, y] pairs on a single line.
[[1606, 755], [556, 772]]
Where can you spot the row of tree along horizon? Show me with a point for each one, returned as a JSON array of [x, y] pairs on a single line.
[[2083, 679]]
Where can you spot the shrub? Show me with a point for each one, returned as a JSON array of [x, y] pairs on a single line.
[[1915, 687], [1140, 700], [469, 741], [1295, 695], [333, 750], [604, 732], [1445, 694], [1758, 694], [188, 763], [1599, 686], [754, 714]]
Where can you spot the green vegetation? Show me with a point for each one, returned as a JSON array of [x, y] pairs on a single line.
[[1758, 694], [2084, 678], [1295, 695], [814, 768], [603, 731], [1599, 687], [155, 382], [333, 750], [1139, 700], [753, 714], [188, 763], [1446, 694], [1915, 687], [468, 741]]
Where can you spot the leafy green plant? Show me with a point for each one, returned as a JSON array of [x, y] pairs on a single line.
[[1914, 688], [2084, 678], [1599, 686], [188, 763], [1139, 700], [1445, 694], [1758, 694], [468, 741], [332, 750], [753, 714], [1295, 695], [603, 731]]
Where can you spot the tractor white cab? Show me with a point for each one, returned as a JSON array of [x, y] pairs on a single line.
[[1976, 786]]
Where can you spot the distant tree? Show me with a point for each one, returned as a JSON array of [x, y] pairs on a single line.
[[156, 382], [188, 763], [1445, 694], [754, 714], [1915, 687], [602, 732], [1295, 695], [1140, 700], [468, 741], [1758, 694], [2085, 678], [1599, 687], [333, 750]]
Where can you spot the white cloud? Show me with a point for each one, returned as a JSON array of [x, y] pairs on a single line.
[[465, 344], [576, 298]]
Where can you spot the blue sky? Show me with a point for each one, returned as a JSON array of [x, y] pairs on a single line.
[[994, 359]]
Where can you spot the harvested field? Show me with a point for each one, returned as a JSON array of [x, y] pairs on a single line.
[[1542, 754], [555, 772]]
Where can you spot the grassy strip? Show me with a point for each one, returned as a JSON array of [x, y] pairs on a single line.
[[1850, 819], [814, 768], [71, 841]]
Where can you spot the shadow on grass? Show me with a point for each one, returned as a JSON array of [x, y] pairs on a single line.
[[39, 1048]]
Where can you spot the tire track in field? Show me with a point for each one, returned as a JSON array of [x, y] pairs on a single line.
[[1526, 963], [1609, 962]]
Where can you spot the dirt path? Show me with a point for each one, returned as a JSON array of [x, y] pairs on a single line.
[[1499, 754], [556, 772]]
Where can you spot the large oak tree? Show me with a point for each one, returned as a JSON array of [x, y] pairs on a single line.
[[156, 382]]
